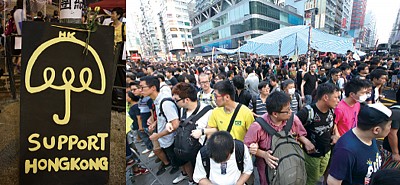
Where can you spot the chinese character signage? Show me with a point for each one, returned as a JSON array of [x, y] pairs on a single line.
[[65, 104], [71, 9]]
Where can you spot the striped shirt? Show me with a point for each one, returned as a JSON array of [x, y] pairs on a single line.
[[208, 99], [261, 107]]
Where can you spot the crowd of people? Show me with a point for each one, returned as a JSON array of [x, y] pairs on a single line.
[[295, 121]]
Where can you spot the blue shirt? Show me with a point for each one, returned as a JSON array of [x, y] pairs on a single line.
[[353, 161]]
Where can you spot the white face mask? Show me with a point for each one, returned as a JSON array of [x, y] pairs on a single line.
[[362, 98], [368, 95], [292, 91]]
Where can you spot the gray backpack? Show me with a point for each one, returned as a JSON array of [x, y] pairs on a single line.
[[291, 168]]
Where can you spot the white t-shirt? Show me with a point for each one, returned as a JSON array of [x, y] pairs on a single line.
[[232, 172]]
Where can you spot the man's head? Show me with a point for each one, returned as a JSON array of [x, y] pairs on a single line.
[[278, 106], [357, 89], [263, 88], [221, 146], [303, 65], [204, 82], [273, 81], [183, 93], [249, 70], [131, 98], [238, 82], [230, 74], [379, 77], [328, 94], [224, 92], [288, 87], [313, 67], [363, 68], [135, 89], [150, 70], [376, 119], [335, 74], [346, 69], [169, 72], [117, 13], [219, 77], [149, 85]]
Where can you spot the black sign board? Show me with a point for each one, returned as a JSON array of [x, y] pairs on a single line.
[[65, 104]]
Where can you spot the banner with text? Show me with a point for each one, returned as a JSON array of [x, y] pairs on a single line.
[[65, 104]]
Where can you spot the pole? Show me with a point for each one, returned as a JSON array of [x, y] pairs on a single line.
[[309, 47], [239, 50], [212, 55], [279, 51]]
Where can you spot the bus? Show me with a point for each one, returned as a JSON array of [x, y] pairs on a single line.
[[384, 49]]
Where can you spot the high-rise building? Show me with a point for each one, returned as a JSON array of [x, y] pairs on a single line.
[[176, 27], [370, 29], [228, 23], [357, 29], [395, 32], [132, 32], [346, 16]]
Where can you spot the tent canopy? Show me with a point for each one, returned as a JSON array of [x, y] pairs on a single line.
[[295, 38], [109, 4]]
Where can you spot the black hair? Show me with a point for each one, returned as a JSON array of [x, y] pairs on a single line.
[[161, 77], [262, 85], [133, 97], [302, 63], [286, 83], [377, 73], [119, 11], [273, 78], [151, 81], [249, 70], [225, 87], [334, 71], [345, 67], [229, 73], [170, 70], [191, 79], [220, 146], [326, 88], [355, 85], [361, 67], [276, 101], [386, 177], [238, 82]]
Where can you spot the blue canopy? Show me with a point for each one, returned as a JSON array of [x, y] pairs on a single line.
[[290, 39]]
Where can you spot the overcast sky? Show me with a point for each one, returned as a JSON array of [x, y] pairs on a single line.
[[385, 12]]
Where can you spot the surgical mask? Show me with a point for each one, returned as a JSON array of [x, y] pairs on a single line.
[[368, 95], [292, 91], [362, 98]]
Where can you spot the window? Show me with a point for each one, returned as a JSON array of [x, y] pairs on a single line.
[[181, 29], [189, 36], [187, 23], [182, 36], [173, 29], [169, 15], [174, 36]]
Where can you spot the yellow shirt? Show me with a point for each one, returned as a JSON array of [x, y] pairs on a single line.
[[220, 120], [118, 33]]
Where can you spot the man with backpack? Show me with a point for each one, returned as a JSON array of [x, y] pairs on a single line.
[[195, 115], [318, 120], [163, 140], [278, 125], [223, 161]]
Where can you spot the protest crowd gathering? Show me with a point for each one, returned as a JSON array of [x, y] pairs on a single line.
[[305, 121]]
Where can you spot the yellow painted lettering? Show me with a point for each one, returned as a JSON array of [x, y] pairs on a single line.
[[74, 163], [42, 164], [92, 140], [104, 161], [52, 142], [84, 164], [94, 164], [82, 144], [62, 34], [32, 141], [64, 164], [28, 166], [73, 140], [62, 139], [102, 137], [54, 164]]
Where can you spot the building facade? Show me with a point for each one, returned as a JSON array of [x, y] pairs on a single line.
[[395, 33], [357, 29], [174, 16], [228, 23], [370, 29]]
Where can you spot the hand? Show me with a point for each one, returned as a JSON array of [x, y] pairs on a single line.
[[396, 157], [141, 129], [334, 139], [151, 128], [169, 127], [150, 121], [310, 148], [253, 148], [196, 134], [154, 136], [271, 160]]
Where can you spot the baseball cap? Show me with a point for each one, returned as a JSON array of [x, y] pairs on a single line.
[[373, 114]]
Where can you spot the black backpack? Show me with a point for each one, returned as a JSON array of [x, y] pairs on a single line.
[[291, 167], [185, 146], [162, 111], [239, 153]]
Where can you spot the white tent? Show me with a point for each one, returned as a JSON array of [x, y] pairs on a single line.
[[288, 40]]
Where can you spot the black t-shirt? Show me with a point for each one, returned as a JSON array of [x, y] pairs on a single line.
[[309, 86], [299, 78], [386, 145], [173, 81], [244, 97], [319, 132]]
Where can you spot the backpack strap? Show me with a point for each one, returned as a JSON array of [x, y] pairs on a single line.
[[289, 124], [239, 154], [233, 117], [187, 120], [205, 158], [254, 102], [162, 111], [266, 127], [201, 113], [310, 117]]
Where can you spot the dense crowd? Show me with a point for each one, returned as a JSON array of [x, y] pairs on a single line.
[[295, 121]]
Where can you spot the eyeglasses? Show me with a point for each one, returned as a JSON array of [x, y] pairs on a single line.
[[176, 101], [134, 89], [205, 82], [141, 87], [286, 112]]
